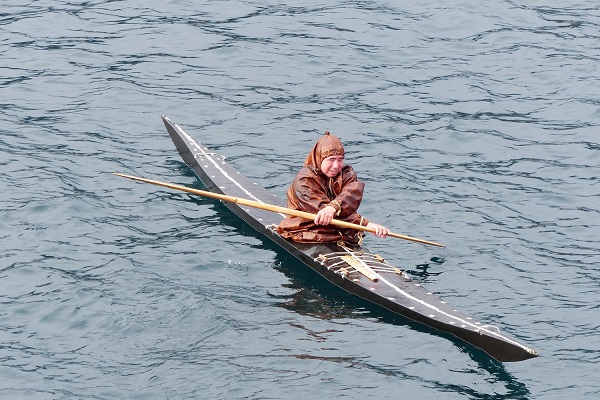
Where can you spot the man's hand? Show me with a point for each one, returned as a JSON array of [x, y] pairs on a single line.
[[325, 216], [380, 230]]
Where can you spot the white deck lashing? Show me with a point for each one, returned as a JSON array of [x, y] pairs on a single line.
[[358, 258]]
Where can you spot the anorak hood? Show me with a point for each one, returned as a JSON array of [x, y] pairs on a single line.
[[327, 145]]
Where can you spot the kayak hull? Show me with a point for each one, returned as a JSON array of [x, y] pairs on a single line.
[[352, 268]]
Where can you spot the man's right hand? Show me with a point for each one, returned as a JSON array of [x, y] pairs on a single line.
[[325, 216]]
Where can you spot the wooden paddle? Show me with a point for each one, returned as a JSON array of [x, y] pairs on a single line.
[[270, 207]]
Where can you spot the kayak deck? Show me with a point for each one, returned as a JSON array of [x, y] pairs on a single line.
[[353, 268]]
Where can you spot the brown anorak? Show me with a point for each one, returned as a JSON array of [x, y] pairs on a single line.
[[312, 191]]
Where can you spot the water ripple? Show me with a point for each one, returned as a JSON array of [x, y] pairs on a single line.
[[474, 124]]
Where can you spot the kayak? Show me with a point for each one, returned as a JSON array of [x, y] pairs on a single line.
[[350, 267]]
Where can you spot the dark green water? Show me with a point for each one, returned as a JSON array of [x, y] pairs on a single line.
[[472, 124]]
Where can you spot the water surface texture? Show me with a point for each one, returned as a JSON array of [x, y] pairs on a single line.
[[474, 124]]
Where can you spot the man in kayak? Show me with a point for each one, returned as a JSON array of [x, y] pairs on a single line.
[[328, 188]]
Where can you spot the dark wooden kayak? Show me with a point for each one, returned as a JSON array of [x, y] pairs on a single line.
[[354, 269]]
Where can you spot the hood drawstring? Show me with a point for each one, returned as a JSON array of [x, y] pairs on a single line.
[[330, 191]]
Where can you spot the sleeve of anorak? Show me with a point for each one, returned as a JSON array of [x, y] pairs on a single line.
[[309, 194], [350, 196]]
